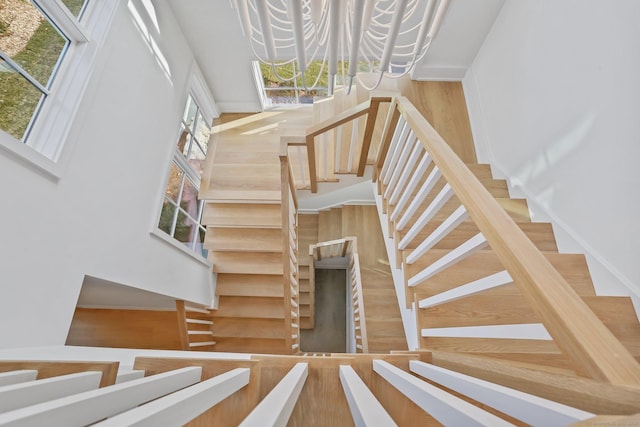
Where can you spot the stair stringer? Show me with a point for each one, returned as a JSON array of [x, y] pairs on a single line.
[[408, 314]]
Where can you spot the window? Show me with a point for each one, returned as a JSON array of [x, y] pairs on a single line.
[[181, 209], [45, 60]]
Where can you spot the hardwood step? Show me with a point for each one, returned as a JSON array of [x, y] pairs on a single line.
[[248, 328], [246, 215], [247, 262], [497, 188], [572, 267], [540, 233], [303, 272], [516, 208], [306, 323], [250, 285], [252, 345], [250, 307], [617, 313], [391, 327], [246, 177], [386, 344], [243, 239], [480, 170], [305, 298]]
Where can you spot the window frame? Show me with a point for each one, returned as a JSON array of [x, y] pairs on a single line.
[[198, 91], [45, 142]]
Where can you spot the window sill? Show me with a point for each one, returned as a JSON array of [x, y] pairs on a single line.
[[29, 157], [161, 235]]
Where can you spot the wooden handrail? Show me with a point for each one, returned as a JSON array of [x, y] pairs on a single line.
[[368, 131], [574, 327], [369, 107]]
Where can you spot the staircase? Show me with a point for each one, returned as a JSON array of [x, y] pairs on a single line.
[[245, 229], [489, 291], [406, 389]]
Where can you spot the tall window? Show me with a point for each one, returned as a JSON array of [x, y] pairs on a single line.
[[181, 208], [34, 39]]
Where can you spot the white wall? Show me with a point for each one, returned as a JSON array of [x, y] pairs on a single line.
[[96, 220], [554, 101]]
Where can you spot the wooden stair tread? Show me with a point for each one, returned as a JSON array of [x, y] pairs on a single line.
[[242, 215], [250, 307], [572, 267], [247, 262], [252, 345], [248, 328], [540, 233], [250, 285], [243, 239]]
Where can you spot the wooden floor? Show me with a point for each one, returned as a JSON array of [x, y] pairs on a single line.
[[444, 106], [148, 329]]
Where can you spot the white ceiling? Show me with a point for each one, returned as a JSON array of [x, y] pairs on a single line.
[[213, 31]]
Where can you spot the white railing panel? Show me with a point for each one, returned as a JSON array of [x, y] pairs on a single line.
[[275, 409], [393, 159], [411, 187], [436, 204], [15, 377], [452, 221], [426, 188], [400, 130], [29, 393], [525, 407], [489, 282], [124, 376], [365, 408], [353, 143], [89, 407], [475, 243], [184, 405], [528, 331], [406, 173], [412, 142], [444, 407]]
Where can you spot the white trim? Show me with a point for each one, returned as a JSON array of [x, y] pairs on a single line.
[[51, 128], [531, 409], [161, 235], [365, 408], [441, 405], [63, 18], [489, 282], [276, 408], [202, 95], [525, 331]]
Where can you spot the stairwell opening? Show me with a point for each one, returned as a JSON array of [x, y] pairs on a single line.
[[329, 334]]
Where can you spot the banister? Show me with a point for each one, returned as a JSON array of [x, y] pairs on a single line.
[[574, 327], [369, 107], [288, 207]]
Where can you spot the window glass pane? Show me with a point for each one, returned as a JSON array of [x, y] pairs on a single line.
[[30, 40], [199, 247], [201, 132], [18, 101], [185, 229], [190, 112], [74, 6], [175, 182], [166, 216], [187, 147], [189, 201]]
